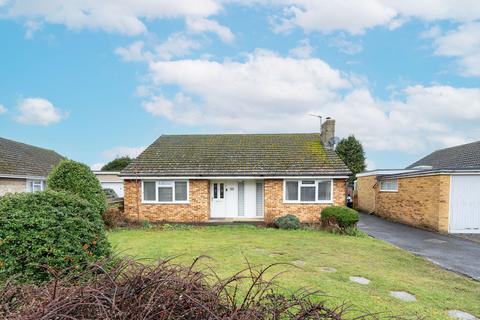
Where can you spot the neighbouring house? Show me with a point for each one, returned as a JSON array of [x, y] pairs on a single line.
[[201, 178], [24, 168], [110, 180], [440, 191]]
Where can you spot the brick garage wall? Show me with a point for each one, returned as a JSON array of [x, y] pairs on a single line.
[[366, 193], [198, 210], [12, 185], [420, 201], [274, 206]]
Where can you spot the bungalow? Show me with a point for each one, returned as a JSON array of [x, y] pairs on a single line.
[[201, 178], [24, 168], [439, 192]]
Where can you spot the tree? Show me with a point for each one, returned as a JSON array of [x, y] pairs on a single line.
[[351, 152], [77, 178], [117, 164]]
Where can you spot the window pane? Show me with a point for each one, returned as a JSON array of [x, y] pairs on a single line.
[[180, 190], [292, 190], [222, 190], [308, 182], [215, 191], [307, 193], [149, 191], [324, 190], [165, 194]]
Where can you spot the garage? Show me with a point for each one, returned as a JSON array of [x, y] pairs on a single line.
[[465, 204]]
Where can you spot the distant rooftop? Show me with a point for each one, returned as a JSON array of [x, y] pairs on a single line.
[[20, 159], [466, 156]]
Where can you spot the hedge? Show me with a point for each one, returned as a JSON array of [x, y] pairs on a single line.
[[344, 217], [48, 229]]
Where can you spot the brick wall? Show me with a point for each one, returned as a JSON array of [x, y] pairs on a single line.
[[198, 210], [274, 206], [12, 185], [365, 194], [420, 201]]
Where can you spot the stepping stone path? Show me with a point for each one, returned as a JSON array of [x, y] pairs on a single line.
[[360, 280], [299, 263], [458, 314], [276, 254], [404, 296], [327, 269], [438, 241]]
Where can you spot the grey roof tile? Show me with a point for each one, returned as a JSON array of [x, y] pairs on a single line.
[[466, 156], [21, 159], [237, 155]]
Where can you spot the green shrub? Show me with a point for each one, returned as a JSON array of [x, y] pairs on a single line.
[[288, 221], [146, 224], [48, 229], [342, 216], [77, 178]]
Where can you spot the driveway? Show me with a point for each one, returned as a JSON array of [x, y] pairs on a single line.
[[449, 252]]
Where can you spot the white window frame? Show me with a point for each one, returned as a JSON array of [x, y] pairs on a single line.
[[32, 182], [382, 186], [299, 181], [172, 182]]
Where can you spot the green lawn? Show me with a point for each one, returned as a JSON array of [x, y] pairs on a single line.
[[388, 267]]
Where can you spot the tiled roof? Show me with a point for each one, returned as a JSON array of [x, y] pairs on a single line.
[[237, 155], [466, 156], [19, 159]]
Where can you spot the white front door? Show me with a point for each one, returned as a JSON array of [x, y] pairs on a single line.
[[218, 206], [465, 204]]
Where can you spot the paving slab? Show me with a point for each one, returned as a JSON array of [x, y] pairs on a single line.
[[462, 315], [404, 296], [449, 252], [360, 280], [327, 269]]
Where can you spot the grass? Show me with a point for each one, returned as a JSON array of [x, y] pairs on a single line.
[[388, 268]]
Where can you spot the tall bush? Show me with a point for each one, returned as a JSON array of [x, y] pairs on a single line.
[[77, 178], [48, 229]]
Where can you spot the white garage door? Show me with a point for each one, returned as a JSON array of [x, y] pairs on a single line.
[[116, 186], [465, 204]]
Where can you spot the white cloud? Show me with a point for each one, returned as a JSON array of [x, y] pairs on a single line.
[[176, 45], [97, 166], [134, 52], [122, 151], [304, 50], [343, 44], [38, 111], [270, 93], [355, 16], [2, 109], [201, 25], [126, 17], [463, 44]]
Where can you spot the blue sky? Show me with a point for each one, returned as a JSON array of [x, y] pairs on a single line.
[[98, 79]]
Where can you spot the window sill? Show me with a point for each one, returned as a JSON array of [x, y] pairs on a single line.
[[167, 202], [308, 202], [388, 190]]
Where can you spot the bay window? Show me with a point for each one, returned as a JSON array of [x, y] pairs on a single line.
[[165, 191], [299, 191]]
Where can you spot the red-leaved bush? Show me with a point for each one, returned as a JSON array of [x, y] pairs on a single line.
[[126, 289]]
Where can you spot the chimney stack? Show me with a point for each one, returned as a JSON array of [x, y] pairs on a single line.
[[328, 132]]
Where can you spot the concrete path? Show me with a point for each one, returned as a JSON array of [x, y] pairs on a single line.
[[449, 252]]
